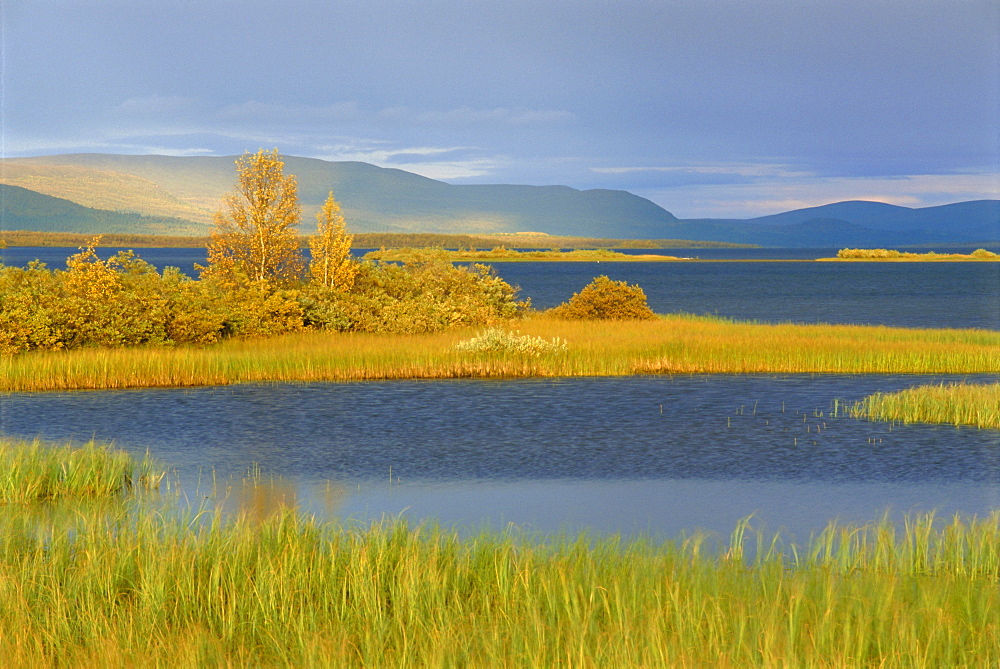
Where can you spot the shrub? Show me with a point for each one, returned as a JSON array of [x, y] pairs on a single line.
[[605, 299], [498, 340], [425, 294], [983, 253]]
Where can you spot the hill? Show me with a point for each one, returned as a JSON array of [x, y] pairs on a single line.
[[23, 209], [374, 199], [179, 195]]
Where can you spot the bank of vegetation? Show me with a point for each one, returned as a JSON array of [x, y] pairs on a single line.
[[952, 404], [504, 254], [373, 240], [660, 345], [133, 581], [903, 256]]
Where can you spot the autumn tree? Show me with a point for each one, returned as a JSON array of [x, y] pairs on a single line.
[[331, 265], [256, 240]]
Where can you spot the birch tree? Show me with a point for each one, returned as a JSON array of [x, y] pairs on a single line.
[[255, 240], [331, 265]]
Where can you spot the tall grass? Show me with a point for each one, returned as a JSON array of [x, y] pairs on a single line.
[[32, 471], [126, 588], [955, 404], [670, 344]]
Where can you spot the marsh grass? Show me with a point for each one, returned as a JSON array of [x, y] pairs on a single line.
[[906, 256], [125, 587], [669, 344], [32, 471], [955, 403]]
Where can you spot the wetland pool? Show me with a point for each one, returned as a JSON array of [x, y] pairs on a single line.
[[625, 455]]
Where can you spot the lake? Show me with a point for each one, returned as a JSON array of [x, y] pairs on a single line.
[[657, 454], [661, 454], [934, 295]]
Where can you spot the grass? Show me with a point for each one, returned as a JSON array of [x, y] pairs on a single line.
[[127, 587], [665, 345], [905, 256], [502, 254], [32, 471], [956, 404]]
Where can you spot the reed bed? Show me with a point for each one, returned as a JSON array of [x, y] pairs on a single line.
[[955, 404], [32, 471], [125, 588], [668, 344]]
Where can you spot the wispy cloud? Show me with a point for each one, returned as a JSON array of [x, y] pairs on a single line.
[[255, 112], [736, 169], [417, 159], [155, 105]]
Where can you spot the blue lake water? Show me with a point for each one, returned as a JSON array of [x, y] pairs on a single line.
[[659, 454], [936, 295]]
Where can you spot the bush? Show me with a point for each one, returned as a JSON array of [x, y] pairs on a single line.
[[124, 301], [425, 294], [983, 253], [603, 298], [498, 340]]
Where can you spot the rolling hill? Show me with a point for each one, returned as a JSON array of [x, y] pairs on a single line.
[[179, 195], [374, 199]]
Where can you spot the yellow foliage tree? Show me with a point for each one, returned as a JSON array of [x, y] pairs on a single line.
[[256, 240], [331, 265]]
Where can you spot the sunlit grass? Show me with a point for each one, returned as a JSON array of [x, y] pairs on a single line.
[[671, 344], [32, 471], [955, 404], [126, 587]]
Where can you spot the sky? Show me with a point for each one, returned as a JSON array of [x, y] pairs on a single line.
[[710, 108]]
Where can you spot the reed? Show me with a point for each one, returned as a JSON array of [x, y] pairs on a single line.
[[32, 471], [664, 345], [127, 588], [955, 403]]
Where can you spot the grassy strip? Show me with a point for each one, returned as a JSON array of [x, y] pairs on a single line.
[[368, 240], [501, 254], [955, 404], [31, 471], [123, 589], [905, 256], [670, 344]]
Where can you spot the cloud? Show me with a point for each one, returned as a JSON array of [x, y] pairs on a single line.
[[255, 111], [155, 105], [413, 159], [494, 116]]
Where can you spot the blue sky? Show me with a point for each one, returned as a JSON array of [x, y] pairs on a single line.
[[711, 108]]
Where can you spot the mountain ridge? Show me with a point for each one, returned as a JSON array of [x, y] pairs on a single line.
[[157, 194]]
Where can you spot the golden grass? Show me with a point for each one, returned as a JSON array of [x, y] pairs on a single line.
[[955, 404], [669, 344], [501, 254], [32, 471], [130, 587], [889, 255]]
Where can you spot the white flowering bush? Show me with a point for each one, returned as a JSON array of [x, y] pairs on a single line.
[[498, 340]]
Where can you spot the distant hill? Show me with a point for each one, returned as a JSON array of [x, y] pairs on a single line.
[[179, 195], [976, 220], [374, 199], [23, 209]]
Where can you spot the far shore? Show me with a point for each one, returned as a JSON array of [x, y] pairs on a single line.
[[889, 255]]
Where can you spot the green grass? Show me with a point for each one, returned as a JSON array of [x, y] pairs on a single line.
[[32, 471], [955, 404], [122, 587], [665, 345]]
